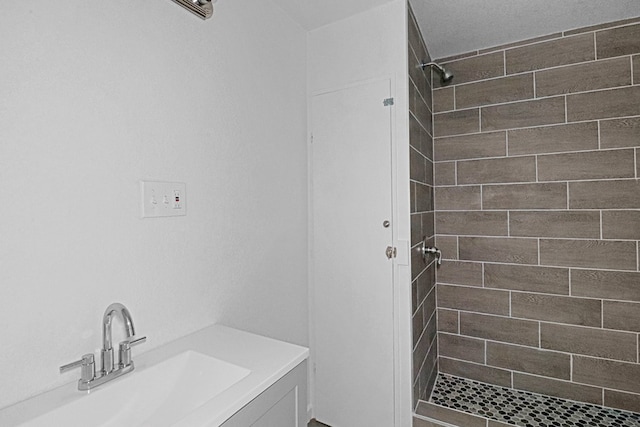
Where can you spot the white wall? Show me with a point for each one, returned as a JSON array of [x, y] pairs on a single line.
[[370, 46], [95, 97]]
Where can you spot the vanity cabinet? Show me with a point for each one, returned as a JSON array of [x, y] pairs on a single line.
[[281, 405]]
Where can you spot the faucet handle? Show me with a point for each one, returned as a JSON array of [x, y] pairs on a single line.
[[125, 349], [87, 363]]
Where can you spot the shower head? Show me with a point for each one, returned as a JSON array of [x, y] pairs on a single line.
[[445, 76]]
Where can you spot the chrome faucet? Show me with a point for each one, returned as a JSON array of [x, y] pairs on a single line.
[[107, 349], [108, 371]]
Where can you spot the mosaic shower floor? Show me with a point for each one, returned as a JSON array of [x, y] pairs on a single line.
[[522, 408]]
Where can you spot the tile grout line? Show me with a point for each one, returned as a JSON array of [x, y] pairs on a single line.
[[595, 46], [599, 136], [601, 238]]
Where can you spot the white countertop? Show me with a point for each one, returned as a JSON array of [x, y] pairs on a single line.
[[267, 359]]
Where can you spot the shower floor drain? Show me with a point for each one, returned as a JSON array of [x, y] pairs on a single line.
[[521, 408]]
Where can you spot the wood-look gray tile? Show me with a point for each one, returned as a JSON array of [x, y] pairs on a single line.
[[509, 250], [474, 371], [416, 228], [457, 198], [567, 224], [472, 223], [522, 114], [421, 350], [614, 255], [618, 41], [428, 224], [424, 197], [423, 112], [603, 104], [619, 133], [447, 320], [549, 280], [475, 299], [620, 400], [493, 144], [419, 422], [568, 50], [606, 164], [456, 122], [448, 245], [426, 282], [495, 91], [497, 328], [606, 373], [551, 308], [417, 166], [525, 196], [621, 225], [557, 388], [589, 341], [521, 42], [606, 284], [415, 39], [508, 169], [624, 316], [443, 100], [636, 69], [623, 194], [593, 76], [445, 173], [529, 360], [460, 273], [449, 416], [461, 347], [415, 133], [553, 139], [475, 68]]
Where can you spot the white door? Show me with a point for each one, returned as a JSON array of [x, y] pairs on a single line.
[[351, 276]]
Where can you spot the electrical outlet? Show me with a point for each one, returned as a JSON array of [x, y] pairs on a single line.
[[163, 199]]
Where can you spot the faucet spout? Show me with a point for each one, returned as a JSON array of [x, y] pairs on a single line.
[[107, 346]]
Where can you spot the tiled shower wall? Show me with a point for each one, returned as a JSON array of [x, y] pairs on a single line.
[[537, 212], [422, 218]]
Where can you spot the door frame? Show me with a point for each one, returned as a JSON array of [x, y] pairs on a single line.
[[401, 273]]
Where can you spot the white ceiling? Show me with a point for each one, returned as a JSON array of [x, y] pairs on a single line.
[[451, 27]]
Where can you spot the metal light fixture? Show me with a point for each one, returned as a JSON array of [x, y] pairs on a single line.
[[201, 8]]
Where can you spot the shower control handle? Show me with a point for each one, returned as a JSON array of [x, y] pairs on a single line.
[[430, 250]]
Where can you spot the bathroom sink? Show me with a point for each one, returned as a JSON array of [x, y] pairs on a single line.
[[155, 395]]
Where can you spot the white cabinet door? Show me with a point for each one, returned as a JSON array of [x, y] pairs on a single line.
[[351, 276]]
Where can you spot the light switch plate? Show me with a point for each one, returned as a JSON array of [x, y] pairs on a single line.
[[161, 199]]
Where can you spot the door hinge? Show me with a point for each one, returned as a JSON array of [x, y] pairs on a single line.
[[387, 102], [391, 252]]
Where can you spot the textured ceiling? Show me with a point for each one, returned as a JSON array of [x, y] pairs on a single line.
[[451, 27]]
